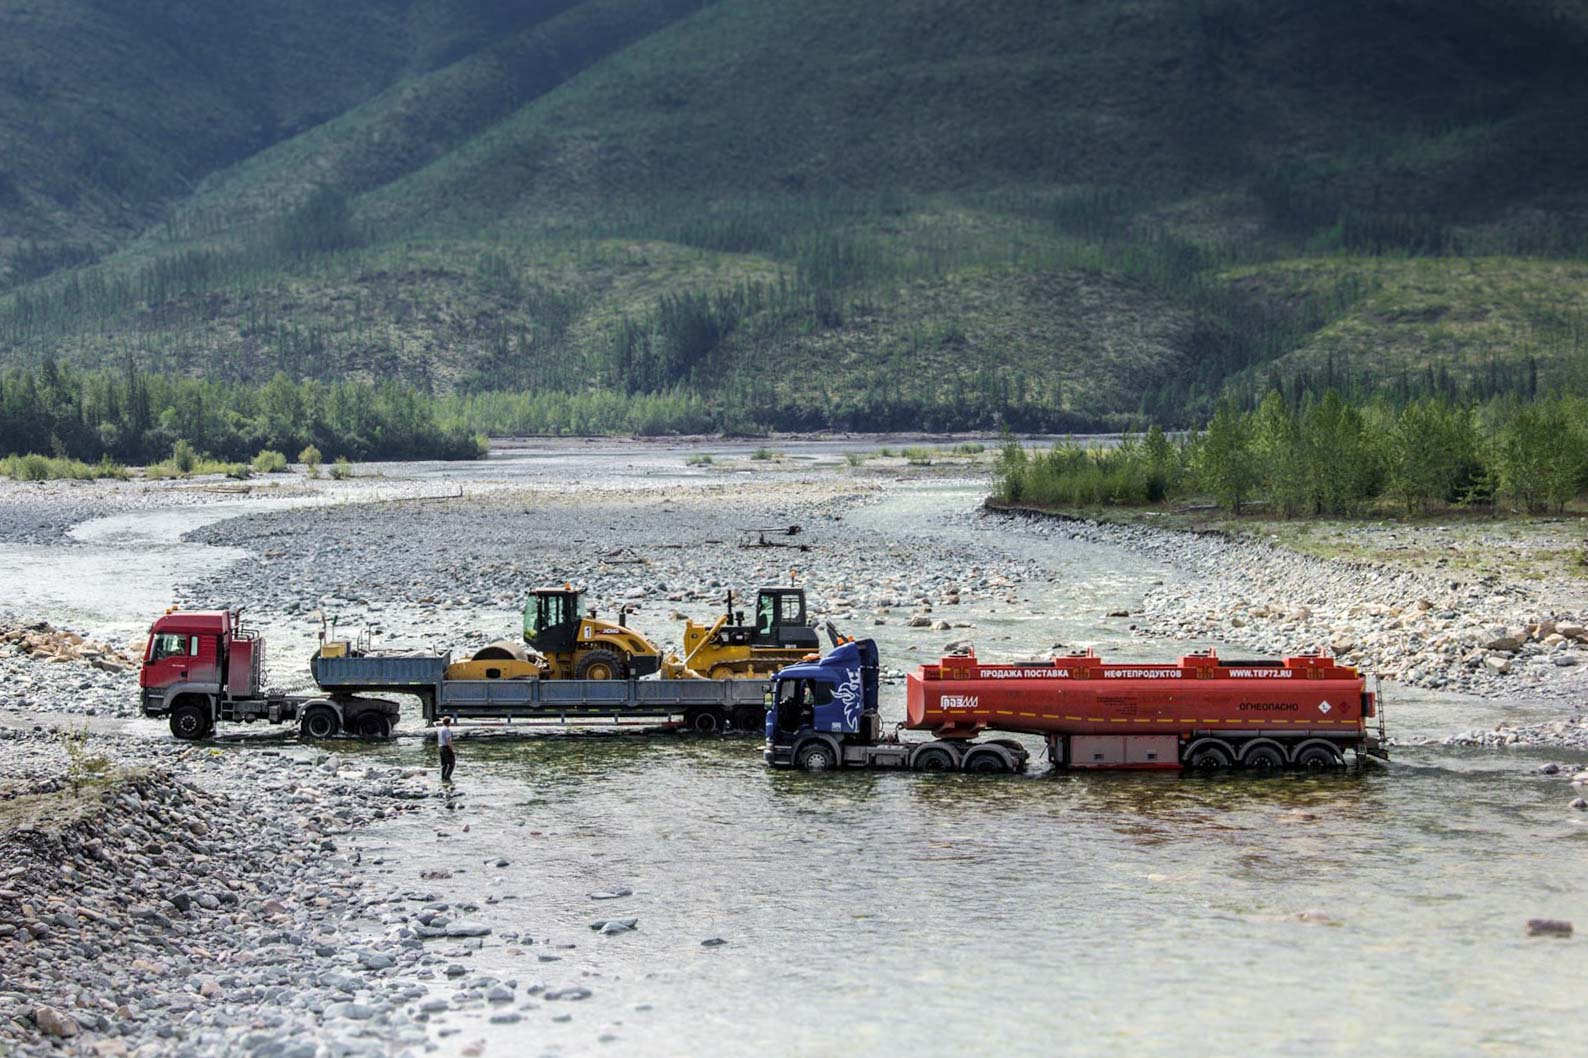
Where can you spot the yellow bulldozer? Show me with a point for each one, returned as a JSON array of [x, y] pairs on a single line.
[[729, 648]]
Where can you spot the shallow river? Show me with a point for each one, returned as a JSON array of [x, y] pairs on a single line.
[[1377, 912]]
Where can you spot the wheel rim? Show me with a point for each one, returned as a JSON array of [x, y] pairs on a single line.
[[598, 671], [815, 760], [933, 761], [189, 724], [319, 725], [706, 723]]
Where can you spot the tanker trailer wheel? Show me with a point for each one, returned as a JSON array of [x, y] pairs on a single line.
[[1210, 756], [933, 758], [190, 721], [1318, 758], [373, 725], [1263, 758], [703, 721], [815, 756], [599, 665], [749, 718], [321, 722]]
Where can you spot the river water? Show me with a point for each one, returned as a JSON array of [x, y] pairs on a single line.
[[1373, 912], [1378, 911]]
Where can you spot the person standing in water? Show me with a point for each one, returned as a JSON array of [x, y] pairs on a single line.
[[449, 759]]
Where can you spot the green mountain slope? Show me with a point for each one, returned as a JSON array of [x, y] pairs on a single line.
[[1026, 212]]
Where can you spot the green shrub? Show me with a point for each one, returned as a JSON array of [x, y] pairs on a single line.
[[970, 448], [269, 461], [698, 461], [762, 453], [183, 458], [855, 459], [917, 456], [341, 469], [310, 458], [240, 471], [83, 767], [35, 467], [885, 452]]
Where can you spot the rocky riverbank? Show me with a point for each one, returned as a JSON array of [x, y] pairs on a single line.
[[55, 670], [1482, 636], [216, 904], [149, 915]]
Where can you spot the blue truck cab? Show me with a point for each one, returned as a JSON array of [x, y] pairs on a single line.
[[816, 708]]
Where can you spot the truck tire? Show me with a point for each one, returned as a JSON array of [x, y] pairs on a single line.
[[190, 721], [1265, 756], [933, 758], [600, 665], [373, 725], [987, 761], [703, 721], [1209, 755], [1318, 757], [749, 718], [814, 756], [321, 721]]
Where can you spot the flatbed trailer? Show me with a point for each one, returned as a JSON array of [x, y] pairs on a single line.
[[1304, 712], [203, 668], [705, 706]]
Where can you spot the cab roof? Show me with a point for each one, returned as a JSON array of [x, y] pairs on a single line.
[[831, 667], [211, 621]]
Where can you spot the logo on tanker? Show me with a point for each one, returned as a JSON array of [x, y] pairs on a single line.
[[959, 701]]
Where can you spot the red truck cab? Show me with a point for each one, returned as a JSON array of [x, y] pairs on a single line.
[[198, 659]]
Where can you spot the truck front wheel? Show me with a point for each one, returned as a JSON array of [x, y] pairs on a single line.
[[321, 722], [814, 756], [190, 721]]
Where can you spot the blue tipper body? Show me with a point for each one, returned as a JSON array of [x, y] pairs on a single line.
[[835, 695]]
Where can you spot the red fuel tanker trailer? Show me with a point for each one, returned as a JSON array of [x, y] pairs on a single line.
[[1199, 712]]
